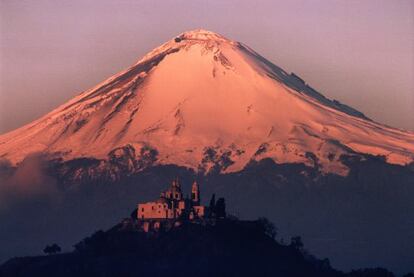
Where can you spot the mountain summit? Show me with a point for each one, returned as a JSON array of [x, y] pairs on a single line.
[[206, 102]]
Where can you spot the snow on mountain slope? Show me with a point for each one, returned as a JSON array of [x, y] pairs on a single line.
[[201, 100]]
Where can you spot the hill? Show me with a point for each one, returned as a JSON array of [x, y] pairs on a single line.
[[227, 247]]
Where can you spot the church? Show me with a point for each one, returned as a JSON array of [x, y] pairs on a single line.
[[172, 205]]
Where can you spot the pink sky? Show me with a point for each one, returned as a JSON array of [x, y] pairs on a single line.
[[359, 52]]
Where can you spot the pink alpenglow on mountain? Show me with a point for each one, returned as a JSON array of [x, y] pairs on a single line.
[[201, 96]]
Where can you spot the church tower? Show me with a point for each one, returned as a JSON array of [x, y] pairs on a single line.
[[195, 194]]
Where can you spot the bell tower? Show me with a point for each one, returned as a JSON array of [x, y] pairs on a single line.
[[175, 190], [195, 194]]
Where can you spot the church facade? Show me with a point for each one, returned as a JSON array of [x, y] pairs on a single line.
[[172, 205]]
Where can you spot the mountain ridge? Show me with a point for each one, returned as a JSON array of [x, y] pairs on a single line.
[[201, 93]]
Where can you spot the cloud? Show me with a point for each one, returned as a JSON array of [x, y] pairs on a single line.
[[26, 183]]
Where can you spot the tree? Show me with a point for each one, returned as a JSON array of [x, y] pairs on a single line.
[[212, 206], [296, 242], [95, 243], [268, 227], [134, 213], [56, 248], [371, 272], [52, 249], [47, 250], [221, 208], [213, 201]]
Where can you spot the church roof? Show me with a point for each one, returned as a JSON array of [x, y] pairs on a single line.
[[161, 200]]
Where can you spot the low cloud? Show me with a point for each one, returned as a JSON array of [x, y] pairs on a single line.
[[26, 183]]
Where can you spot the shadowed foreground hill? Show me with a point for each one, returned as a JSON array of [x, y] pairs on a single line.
[[225, 248]]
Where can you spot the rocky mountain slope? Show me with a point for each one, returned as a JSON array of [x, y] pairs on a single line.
[[205, 102]]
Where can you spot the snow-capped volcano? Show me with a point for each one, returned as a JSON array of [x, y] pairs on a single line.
[[201, 100]]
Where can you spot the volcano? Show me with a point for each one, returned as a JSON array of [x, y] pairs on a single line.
[[206, 108], [205, 102]]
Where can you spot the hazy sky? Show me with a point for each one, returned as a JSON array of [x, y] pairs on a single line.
[[359, 52]]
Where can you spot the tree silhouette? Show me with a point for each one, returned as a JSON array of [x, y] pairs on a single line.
[[296, 242], [221, 208], [268, 227], [56, 248], [47, 250], [213, 201], [371, 272], [212, 206], [52, 249], [134, 213]]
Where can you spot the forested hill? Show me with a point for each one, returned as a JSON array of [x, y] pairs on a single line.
[[227, 247]]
